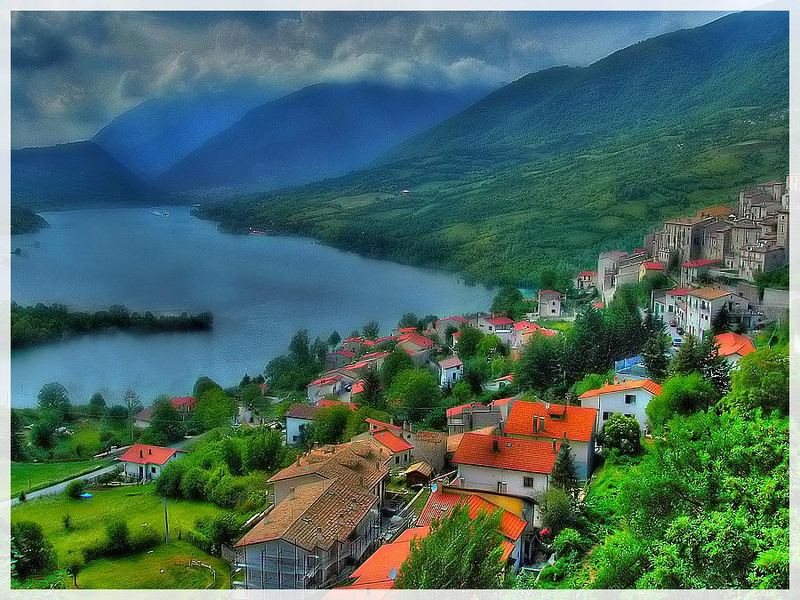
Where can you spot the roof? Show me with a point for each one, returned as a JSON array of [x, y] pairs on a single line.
[[454, 441], [587, 273], [373, 356], [441, 503], [700, 262], [653, 266], [707, 293], [382, 425], [144, 415], [431, 437], [549, 293], [358, 387], [527, 328], [634, 384], [729, 344], [345, 353], [183, 401], [419, 467], [499, 320], [325, 403], [450, 363], [391, 441], [416, 339], [358, 339], [501, 401], [142, 454], [597, 304], [457, 319], [509, 378], [376, 571], [315, 515], [515, 454], [407, 329], [576, 422], [301, 411], [456, 334], [678, 291], [457, 410], [325, 380]]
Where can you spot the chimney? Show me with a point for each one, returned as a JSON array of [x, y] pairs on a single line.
[[496, 445], [554, 445], [406, 426], [547, 405], [141, 454], [535, 423], [541, 423]]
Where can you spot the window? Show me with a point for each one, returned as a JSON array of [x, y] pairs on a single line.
[[527, 482], [502, 486], [630, 399], [606, 415], [152, 469], [629, 415], [397, 460], [294, 438]]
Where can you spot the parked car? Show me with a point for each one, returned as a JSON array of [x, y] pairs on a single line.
[[677, 342]]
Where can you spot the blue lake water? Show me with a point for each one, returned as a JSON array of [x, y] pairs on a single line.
[[260, 289]]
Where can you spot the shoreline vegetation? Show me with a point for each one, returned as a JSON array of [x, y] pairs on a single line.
[[40, 324], [24, 220]]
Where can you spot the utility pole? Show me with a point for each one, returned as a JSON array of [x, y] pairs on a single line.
[[166, 522]]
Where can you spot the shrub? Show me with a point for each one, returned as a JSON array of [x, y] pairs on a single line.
[[568, 541], [144, 539], [622, 433], [67, 520], [73, 566], [118, 538], [22, 497], [169, 482], [557, 509], [35, 552], [75, 488], [193, 483]]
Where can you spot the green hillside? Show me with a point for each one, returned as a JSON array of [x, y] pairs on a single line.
[[561, 164]]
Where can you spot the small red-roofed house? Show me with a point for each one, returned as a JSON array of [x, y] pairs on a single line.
[[693, 270], [333, 383], [144, 462], [500, 326], [733, 346], [450, 371], [417, 346], [546, 421], [586, 280], [629, 397], [400, 448], [380, 570], [441, 326], [649, 267]]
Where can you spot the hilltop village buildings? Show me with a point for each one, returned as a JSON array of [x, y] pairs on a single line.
[[334, 519]]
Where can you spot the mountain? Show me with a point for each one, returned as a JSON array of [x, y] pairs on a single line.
[[74, 175], [547, 171], [319, 131], [154, 135]]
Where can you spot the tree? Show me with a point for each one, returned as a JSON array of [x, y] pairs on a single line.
[[509, 302], [204, 384], [132, 401], [564, 475], [702, 356], [166, 425], [586, 348], [409, 319], [330, 423], [214, 408], [626, 333], [397, 362], [761, 380], [489, 345], [592, 381], [468, 341], [264, 450], [556, 507], [681, 394], [54, 398], [73, 567], [622, 433], [232, 454], [655, 355], [371, 330], [721, 322], [97, 404], [372, 395], [17, 436], [539, 366], [168, 483], [118, 538], [458, 553], [75, 488], [476, 371], [415, 392], [334, 339], [35, 552]]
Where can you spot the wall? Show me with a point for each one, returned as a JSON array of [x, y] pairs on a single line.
[[615, 402], [485, 478]]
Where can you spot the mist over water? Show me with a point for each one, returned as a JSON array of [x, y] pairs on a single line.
[[260, 289]]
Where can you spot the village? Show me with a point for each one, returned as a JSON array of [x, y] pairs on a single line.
[[349, 514]]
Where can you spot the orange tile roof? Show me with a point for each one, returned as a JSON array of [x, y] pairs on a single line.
[[457, 410], [325, 380], [515, 454], [453, 441], [188, 401], [325, 403], [501, 401], [391, 441], [376, 571], [634, 384], [382, 425], [700, 262], [415, 339], [707, 293], [729, 344], [576, 423], [498, 320], [358, 387], [142, 454], [449, 363], [441, 503]]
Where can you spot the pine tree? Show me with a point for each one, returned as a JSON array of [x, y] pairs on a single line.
[[655, 355], [372, 395], [564, 475], [721, 322]]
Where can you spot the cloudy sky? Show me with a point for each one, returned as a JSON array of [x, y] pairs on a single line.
[[73, 72]]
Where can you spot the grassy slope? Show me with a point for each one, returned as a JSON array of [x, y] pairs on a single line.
[[35, 476]]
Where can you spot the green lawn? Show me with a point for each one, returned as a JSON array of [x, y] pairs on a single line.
[[135, 505], [165, 567], [35, 476]]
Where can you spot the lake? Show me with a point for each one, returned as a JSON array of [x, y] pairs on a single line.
[[261, 290]]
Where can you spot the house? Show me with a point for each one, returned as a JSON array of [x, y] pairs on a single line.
[[183, 404], [405, 431], [417, 346], [733, 346], [339, 358], [693, 270], [418, 473], [450, 370], [357, 463], [494, 463], [499, 383], [144, 462], [380, 570], [549, 304], [469, 416], [454, 441], [703, 304], [546, 421], [430, 447], [649, 268], [627, 397], [444, 499], [504, 406], [399, 449], [675, 306], [523, 332], [353, 344], [440, 327], [607, 264], [586, 280], [308, 538], [333, 383], [760, 258], [500, 326], [298, 417]]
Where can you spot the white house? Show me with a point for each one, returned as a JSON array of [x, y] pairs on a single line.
[[502, 327], [703, 304], [549, 304], [627, 397], [144, 462], [546, 421], [331, 384], [450, 370], [298, 416]]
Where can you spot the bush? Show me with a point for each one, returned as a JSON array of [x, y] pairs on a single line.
[[118, 539], [75, 488], [557, 510], [622, 433], [35, 552], [568, 541], [67, 521], [169, 482], [144, 539], [193, 484], [22, 497]]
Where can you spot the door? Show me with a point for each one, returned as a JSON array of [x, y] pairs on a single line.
[[141, 471]]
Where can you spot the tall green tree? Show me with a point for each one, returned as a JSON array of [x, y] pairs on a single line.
[[397, 362], [564, 474], [330, 423], [166, 425], [334, 339], [509, 302], [458, 553], [264, 450], [721, 322], [468, 341], [17, 436], [372, 396], [655, 355], [35, 552], [413, 393], [371, 330], [409, 319], [761, 380], [681, 394], [539, 366], [54, 398], [97, 404]]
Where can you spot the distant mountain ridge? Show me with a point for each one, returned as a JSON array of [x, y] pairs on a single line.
[[320, 131], [550, 169]]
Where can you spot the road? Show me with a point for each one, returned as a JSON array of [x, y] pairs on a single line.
[[58, 488]]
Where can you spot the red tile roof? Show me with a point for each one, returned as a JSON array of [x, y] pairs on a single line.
[[441, 503], [382, 425], [700, 262], [678, 291], [391, 441], [549, 292], [634, 384], [354, 339], [416, 339], [515, 454], [345, 353], [456, 334], [142, 454], [184, 401], [499, 321], [358, 387], [457, 410], [501, 401], [376, 571], [373, 356], [457, 319], [598, 304], [509, 378], [324, 403], [654, 266], [325, 380], [576, 422], [729, 344], [407, 329], [587, 273], [449, 363]]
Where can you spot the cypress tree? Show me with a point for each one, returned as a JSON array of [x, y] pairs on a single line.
[[564, 474]]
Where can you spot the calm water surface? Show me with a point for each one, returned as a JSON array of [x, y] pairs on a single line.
[[260, 289]]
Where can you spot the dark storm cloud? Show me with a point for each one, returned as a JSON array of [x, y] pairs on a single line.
[[73, 72]]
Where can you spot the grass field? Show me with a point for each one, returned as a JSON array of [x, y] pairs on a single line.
[[165, 567], [28, 477]]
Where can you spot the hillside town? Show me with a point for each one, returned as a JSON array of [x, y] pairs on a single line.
[[350, 513]]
